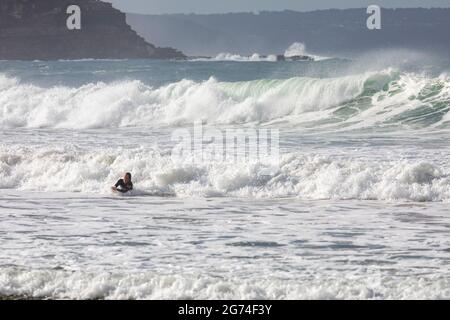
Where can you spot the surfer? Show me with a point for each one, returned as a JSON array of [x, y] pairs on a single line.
[[123, 185]]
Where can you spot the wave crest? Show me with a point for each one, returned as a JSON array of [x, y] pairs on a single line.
[[385, 98]]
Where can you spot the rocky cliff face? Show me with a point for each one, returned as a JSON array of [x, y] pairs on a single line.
[[36, 30]]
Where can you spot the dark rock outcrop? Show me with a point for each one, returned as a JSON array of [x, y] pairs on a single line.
[[282, 57], [36, 30]]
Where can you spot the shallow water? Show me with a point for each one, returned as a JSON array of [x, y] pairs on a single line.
[[145, 247]]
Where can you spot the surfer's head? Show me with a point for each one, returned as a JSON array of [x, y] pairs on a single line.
[[127, 177]]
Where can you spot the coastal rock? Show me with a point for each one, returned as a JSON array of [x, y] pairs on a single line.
[[282, 57], [36, 30]]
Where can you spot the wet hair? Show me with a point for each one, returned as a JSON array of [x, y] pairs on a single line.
[[128, 175]]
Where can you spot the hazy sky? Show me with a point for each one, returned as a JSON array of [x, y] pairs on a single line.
[[220, 6]]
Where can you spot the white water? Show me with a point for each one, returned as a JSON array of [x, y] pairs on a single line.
[[356, 209], [351, 175], [77, 246], [295, 49], [95, 285], [225, 56], [299, 49], [132, 103]]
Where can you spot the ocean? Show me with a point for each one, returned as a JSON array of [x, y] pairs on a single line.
[[356, 207]]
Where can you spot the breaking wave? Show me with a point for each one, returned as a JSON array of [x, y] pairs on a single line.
[[295, 49], [256, 57], [297, 175], [299, 49], [84, 285], [386, 98]]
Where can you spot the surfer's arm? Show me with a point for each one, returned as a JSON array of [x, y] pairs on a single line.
[[118, 183]]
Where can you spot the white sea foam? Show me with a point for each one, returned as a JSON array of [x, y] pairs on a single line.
[[132, 103], [256, 57], [84, 285], [336, 219], [302, 176], [357, 101]]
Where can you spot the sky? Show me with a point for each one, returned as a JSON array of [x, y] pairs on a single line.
[[221, 6]]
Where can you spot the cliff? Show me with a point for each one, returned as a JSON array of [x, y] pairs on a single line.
[[36, 30]]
